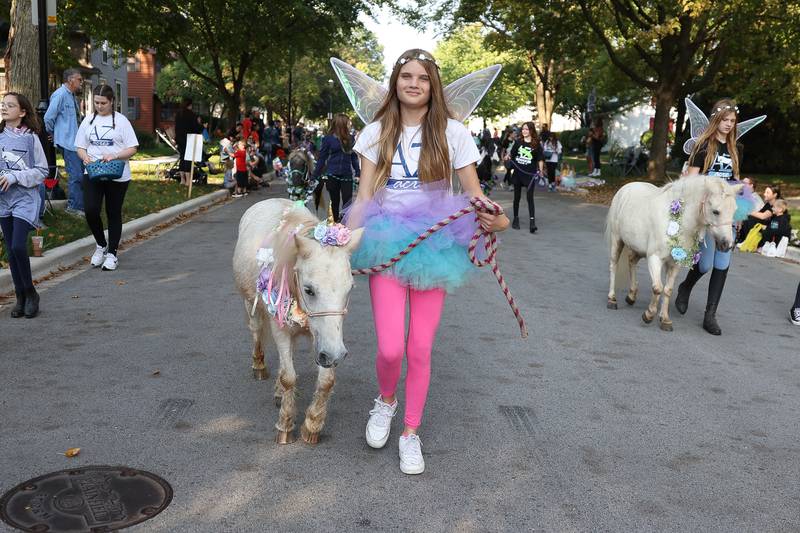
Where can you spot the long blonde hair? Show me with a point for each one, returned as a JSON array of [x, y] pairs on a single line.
[[434, 162], [708, 138]]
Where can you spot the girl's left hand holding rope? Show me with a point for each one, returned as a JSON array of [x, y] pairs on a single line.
[[492, 223]]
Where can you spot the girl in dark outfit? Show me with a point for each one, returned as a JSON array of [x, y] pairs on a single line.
[[527, 161], [185, 123], [715, 154], [337, 158]]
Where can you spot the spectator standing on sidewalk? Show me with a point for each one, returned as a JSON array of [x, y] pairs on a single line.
[[20, 176], [527, 163], [61, 123], [106, 136], [552, 156], [185, 123]]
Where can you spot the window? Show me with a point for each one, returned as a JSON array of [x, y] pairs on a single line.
[[134, 64], [105, 53], [134, 108], [118, 88]]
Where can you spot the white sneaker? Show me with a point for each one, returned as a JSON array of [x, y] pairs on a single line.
[[411, 461], [380, 423], [110, 263], [98, 256]]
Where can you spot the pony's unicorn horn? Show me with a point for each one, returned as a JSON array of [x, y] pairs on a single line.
[[330, 220]]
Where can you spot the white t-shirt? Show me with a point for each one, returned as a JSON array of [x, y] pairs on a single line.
[[404, 183], [555, 148], [99, 138]]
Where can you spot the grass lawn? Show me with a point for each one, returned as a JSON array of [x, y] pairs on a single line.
[[145, 195]]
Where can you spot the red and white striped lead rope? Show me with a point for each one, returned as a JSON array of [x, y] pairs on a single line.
[[489, 243]]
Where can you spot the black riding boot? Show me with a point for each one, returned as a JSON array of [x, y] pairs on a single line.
[[31, 303], [685, 289], [515, 223], [715, 286], [533, 225], [19, 308]]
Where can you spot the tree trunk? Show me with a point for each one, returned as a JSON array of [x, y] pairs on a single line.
[[656, 167], [22, 54], [545, 100], [232, 108]]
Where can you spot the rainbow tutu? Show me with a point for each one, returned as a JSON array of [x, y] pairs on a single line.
[[440, 261]]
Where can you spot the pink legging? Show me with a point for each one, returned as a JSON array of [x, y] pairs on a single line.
[[389, 311]]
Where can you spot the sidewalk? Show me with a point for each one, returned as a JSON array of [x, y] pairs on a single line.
[[74, 252]]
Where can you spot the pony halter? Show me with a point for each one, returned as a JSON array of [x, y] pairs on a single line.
[[311, 314]]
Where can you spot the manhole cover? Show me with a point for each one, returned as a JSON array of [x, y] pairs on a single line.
[[93, 499]]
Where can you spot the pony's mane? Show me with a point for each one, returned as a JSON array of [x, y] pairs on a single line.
[[689, 188], [282, 241]]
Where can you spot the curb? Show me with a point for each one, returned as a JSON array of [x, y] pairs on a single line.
[[71, 253]]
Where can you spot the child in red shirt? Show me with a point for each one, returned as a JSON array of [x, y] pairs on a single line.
[[240, 156]]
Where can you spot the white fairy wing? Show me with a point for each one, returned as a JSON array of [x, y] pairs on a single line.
[[464, 94], [747, 125], [366, 95], [698, 123]]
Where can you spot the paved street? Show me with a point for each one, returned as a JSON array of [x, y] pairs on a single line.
[[597, 422]]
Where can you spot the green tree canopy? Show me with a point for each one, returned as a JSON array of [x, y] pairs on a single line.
[[466, 51]]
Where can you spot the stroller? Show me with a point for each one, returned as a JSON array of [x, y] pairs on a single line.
[[200, 174]]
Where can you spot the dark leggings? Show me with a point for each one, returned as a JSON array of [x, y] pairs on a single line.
[[114, 193], [797, 297], [551, 172], [15, 233], [516, 179], [339, 187], [596, 147]]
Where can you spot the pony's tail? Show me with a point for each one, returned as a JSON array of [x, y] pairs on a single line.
[[623, 264], [623, 269]]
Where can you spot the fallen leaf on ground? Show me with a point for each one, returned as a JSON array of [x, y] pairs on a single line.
[[72, 452], [122, 282]]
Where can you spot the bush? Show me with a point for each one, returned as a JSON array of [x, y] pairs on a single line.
[[146, 140], [574, 140]]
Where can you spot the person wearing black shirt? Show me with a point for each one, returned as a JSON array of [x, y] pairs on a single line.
[[762, 216], [185, 123], [711, 156], [527, 162]]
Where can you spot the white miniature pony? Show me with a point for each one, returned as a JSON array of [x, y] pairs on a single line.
[[319, 281], [637, 225]]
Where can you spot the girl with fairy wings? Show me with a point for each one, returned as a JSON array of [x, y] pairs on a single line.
[[408, 151], [713, 150]]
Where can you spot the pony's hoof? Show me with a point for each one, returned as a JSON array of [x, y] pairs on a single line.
[[629, 300], [308, 436], [646, 319], [284, 437], [260, 374], [665, 326], [611, 304]]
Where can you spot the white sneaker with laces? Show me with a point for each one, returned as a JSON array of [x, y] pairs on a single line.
[[380, 423], [98, 256], [110, 263], [411, 461], [794, 316]]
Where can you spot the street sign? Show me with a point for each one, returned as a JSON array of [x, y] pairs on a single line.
[[51, 12]]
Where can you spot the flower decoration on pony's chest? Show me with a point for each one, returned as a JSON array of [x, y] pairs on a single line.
[[273, 282], [681, 255]]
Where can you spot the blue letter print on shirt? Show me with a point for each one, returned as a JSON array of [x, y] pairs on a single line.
[[101, 140], [409, 181]]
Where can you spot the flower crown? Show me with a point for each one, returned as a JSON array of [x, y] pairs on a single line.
[[724, 107], [331, 235], [419, 57]]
